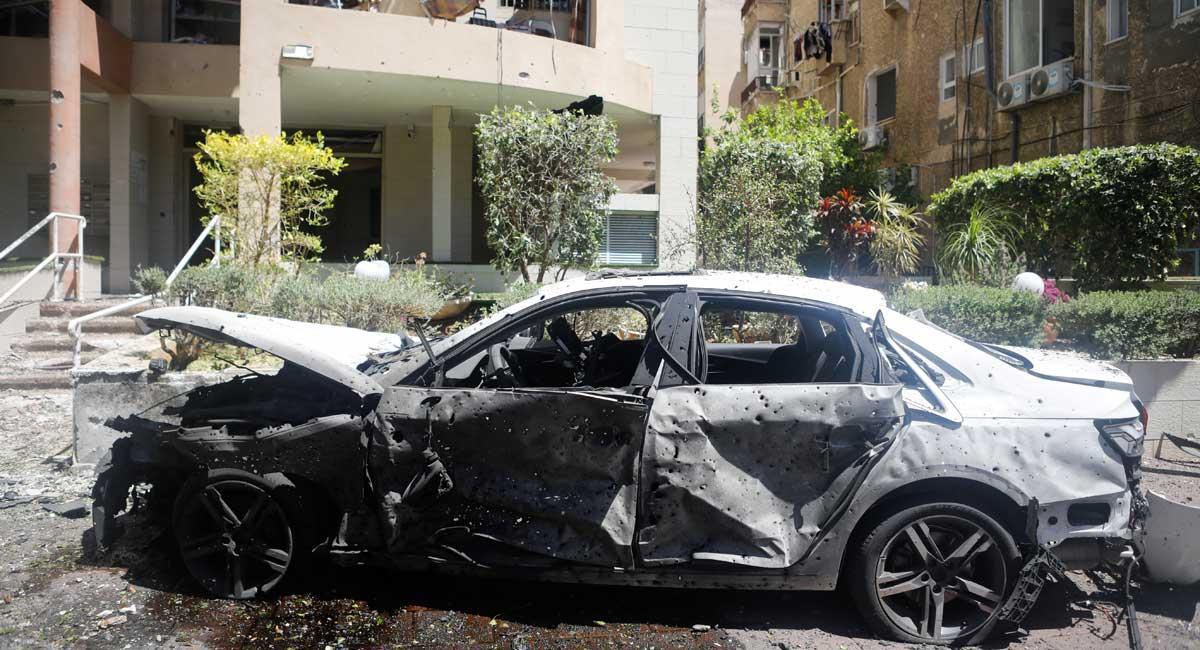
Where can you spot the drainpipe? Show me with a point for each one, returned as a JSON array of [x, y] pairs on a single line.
[[990, 74], [1087, 74], [1015, 143]]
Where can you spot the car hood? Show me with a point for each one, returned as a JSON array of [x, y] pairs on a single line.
[[330, 351], [1069, 367]]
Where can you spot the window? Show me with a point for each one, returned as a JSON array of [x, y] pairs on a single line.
[[1038, 32], [630, 240], [948, 76], [1117, 19], [881, 96], [760, 344], [1183, 7], [764, 53], [831, 10], [974, 58]]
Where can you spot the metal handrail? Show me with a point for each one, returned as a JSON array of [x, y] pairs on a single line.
[[74, 326], [54, 255]]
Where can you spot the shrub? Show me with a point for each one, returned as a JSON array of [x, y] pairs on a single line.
[[149, 280], [298, 297], [379, 306], [544, 188], [234, 287], [896, 247], [270, 192], [1111, 217], [755, 205], [987, 314], [978, 247], [1132, 324]]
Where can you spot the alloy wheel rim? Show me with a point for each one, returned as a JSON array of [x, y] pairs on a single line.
[[941, 578], [235, 539]]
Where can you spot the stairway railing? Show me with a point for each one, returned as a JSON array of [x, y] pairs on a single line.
[[75, 326], [54, 255]]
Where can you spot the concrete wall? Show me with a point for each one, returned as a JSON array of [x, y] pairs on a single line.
[[1171, 392], [24, 133], [722, 77], [663, 35]]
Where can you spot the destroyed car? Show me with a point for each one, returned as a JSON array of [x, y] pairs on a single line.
[[709, 430]]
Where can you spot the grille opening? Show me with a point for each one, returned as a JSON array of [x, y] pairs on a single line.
[[1088, 514]]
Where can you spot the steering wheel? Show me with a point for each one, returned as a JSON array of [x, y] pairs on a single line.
[[514, 366]]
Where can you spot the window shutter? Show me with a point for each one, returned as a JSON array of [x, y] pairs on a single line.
[[630, 239]]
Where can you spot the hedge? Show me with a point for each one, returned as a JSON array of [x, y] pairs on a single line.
[[987, 314], [1131, 324], [1111, 218]]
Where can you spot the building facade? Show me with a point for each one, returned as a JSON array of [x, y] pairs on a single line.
[[943, 87], [102, 103], [721, 78]]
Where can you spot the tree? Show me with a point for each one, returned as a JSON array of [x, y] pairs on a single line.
[[755, 205], [268, 190], [542, 180]]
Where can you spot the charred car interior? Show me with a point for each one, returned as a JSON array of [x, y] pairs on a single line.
[[713, 430]]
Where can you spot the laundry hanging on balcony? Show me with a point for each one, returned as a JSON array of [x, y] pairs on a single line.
[[448, 9]]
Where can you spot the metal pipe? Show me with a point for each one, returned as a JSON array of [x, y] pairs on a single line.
[[28, 276], [28, 233], [1087, 74]]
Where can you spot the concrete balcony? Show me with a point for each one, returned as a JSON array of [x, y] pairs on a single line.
[[443, 62]]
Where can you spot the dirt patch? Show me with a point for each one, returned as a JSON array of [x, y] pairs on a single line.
[[1176, 475]]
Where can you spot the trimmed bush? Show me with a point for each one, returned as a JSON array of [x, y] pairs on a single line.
[[149, 280], [1132, 324], [1112, 218], [987, 314]]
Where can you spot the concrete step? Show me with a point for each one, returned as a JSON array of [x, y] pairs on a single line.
[[39, 380], [74, 309], [109, 325], [48, 360], [56, 342]]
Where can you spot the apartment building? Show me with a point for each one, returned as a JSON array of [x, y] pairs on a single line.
[[942, 87], [102, 103]]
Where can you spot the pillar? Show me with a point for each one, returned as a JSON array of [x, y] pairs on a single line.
[[65, 127], [128, 165], [442, 213]]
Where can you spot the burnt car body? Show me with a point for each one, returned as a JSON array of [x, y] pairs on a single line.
[[853, 445]]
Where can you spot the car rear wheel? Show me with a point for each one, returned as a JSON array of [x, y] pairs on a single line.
[[934, 573], [237, 532]]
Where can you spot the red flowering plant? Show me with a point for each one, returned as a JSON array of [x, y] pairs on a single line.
[[1052, 293], [846, 230]]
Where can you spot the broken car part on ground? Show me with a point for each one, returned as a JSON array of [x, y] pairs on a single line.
[[708, 430]]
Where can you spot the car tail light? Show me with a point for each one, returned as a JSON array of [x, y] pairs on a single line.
[[1143, 414], [1126, 436]]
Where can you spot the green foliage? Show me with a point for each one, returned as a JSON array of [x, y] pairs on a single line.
[[546, 195], [149, 280], [515, 293], [340, 299], [987, 314], [269, 191], [976, 247], [755, 203], [896, 247], [1132, 324], [1112, 218]]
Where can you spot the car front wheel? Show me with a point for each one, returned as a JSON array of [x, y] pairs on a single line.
[[934, 573], [237, 532]]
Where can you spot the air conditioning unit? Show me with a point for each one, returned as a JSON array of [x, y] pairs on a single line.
[[872, 137], [1054, 79], [1013, 93]]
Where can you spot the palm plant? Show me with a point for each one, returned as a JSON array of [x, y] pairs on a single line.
[[973, 247], [896, 247]]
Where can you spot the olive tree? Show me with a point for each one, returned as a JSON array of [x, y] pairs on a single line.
[[269, 191], [541, 178]]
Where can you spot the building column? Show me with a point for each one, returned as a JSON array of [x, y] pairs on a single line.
[[65, 127], [442, 212], [128, 174]]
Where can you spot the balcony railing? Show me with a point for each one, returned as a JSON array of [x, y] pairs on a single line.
[[766, 82], [563, 20]]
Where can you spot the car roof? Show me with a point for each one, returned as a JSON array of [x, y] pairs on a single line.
[[860, 300]]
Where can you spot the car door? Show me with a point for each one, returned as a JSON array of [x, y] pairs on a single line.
[[546, 473], [750, 474]]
